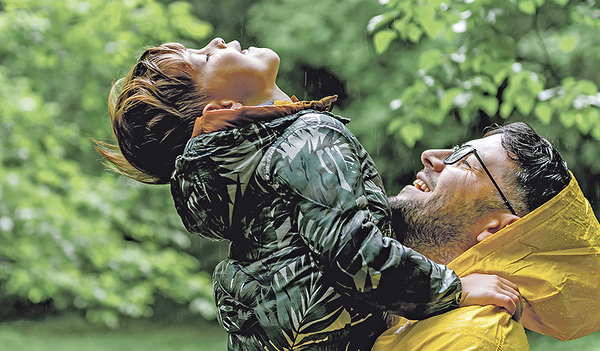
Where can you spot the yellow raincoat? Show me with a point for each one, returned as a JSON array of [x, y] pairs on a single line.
[[552, 254]]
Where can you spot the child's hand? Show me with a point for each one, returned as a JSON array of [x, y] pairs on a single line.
[[484, 289]]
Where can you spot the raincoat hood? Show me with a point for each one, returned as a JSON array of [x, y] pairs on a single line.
[[553, 255]]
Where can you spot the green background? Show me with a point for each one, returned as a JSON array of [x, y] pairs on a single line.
[[102, 258]]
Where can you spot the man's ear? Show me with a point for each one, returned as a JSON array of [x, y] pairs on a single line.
[[220, 105], [494, 223]]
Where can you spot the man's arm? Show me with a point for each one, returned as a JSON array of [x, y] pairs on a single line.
[[340, 201]]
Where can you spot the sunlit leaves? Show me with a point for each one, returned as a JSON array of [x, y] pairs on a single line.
[[185, 23], [587, 119], [522, 90], [527, 6], [411, 133], [496, 69], [430, 59], [567, 118], [493, 60], [543, 112], [568, 43], [448, 98], [488, 104], [72, 233], [383, 39]]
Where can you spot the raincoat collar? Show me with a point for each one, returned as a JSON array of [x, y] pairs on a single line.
[[216, 120], [553, 255]]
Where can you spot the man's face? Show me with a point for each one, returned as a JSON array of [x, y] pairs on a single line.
[[438, 214]]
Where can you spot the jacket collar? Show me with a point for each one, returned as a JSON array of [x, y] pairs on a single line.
[[217, 120]]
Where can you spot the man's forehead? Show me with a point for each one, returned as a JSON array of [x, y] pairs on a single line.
[[490, 148], [492, 143]]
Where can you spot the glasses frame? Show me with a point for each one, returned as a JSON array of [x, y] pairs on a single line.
[[460, 152]]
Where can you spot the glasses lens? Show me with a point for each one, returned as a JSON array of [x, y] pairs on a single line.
[[458, 154]]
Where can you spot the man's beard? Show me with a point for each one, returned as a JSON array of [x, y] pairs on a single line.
[[436, 227]]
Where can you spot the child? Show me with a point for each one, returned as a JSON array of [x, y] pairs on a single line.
[[311, 263]]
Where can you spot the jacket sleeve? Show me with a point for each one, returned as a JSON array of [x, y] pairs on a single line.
[[340, 200]]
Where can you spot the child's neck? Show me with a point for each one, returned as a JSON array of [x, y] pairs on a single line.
[[278, 94], [275, 94]]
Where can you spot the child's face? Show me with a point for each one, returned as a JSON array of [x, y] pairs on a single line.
[[228, 72]]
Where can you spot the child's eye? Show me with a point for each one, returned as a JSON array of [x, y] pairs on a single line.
[[207, 56]]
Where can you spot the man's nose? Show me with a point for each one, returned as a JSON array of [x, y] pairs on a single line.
[[434, 159]]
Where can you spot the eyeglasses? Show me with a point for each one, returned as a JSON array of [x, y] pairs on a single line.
[[463, 151]]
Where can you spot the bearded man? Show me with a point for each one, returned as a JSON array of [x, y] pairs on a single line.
[[505, 204]]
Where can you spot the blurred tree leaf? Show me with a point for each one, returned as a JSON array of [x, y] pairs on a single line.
[[383, 39], [568, 43], [411, 132]]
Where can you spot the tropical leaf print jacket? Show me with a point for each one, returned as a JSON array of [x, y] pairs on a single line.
[[311, 266]]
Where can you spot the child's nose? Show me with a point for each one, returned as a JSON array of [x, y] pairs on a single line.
[[218, 42]]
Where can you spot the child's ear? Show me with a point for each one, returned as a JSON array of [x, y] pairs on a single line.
[[496, 222], [220, 105]]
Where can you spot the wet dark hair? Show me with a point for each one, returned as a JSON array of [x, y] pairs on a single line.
[[542, 173], [152, 111]]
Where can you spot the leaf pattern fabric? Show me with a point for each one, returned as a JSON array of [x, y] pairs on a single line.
[[311, 263]]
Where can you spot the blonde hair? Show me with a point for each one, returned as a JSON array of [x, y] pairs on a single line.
[[152, 112]]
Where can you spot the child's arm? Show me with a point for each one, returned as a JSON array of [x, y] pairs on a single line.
[[340, 201], [484, 289]]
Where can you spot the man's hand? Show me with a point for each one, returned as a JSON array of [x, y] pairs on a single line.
[[485, 289]]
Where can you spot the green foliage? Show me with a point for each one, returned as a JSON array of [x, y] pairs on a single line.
[[480, 52], [383, 39], [72, 233]]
